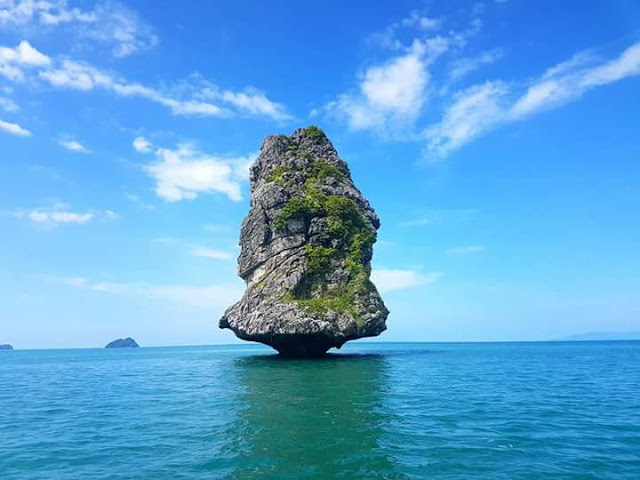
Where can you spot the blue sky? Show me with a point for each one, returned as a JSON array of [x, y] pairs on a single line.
[[497, 140]]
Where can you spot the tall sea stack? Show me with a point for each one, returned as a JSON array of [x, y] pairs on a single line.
[[306, 248]]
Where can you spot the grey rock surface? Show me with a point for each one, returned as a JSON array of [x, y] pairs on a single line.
[[122, 343], [306, 247]]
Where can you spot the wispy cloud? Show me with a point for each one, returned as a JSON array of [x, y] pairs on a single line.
[[214, 296], [472, 112], [250, 101], [73, 146], [184, 173], [423, 22], [195, 96], [465, 250], [14, 129], [480, 108], [61, 214], [142, 145], [79, 76], [387, 280], [211, 253], [56, 216], [398, 98], [461, 67], [194, 250], [109, 22], [388, 38], [8, 105], [137, 200], [437, 215]]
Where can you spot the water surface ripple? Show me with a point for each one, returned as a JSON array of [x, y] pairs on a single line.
[[374, 411]]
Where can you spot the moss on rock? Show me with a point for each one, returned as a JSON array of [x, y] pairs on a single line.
[[346, 225]]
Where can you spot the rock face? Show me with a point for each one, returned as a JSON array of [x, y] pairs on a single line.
[[306, 248], [6, 347], [123, 343]]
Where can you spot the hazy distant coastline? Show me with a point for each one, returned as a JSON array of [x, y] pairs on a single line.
[[593, 336]]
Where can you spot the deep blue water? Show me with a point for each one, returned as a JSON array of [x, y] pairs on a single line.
[[374, 411]]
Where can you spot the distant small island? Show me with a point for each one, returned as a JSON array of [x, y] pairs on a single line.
[[6, 346], [123, 343]]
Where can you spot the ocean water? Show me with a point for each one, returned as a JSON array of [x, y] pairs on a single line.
[[374, 411]]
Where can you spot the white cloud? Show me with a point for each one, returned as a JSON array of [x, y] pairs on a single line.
[[52, 12], [561, 85], [142, 145], [389, 95], [13, 61], [578, 60], [8, 105], [192, 97], [121, 27], [14, 129], [389, 280], [84, 77], [482, 107], [473, 111], [395, 86], [465, 250], [111, 215], [24, 54], [415, 19], [250, 101], [210, 253], [388, 38], [183, 173], [391, 98], [61, 214], [109, 22], [242, 165], [463, 66], [58, 216], [73, 146], [208, 296], [79, 76]]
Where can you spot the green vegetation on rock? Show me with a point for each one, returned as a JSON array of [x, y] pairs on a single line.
[[279, 175], [339, 301], [315, 132], [346, 224]]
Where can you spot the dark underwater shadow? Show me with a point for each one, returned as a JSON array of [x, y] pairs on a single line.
[[333, 356], [329, 357]]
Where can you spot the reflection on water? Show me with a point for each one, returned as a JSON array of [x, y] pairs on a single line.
[[318, 418]]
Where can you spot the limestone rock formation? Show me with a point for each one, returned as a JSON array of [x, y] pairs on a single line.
[[6, 346], [123, 343], [306, 248]]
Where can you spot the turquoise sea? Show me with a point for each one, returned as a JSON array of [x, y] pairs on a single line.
[[373, 411]]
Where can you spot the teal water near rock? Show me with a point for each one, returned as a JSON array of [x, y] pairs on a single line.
[[374, 411]]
